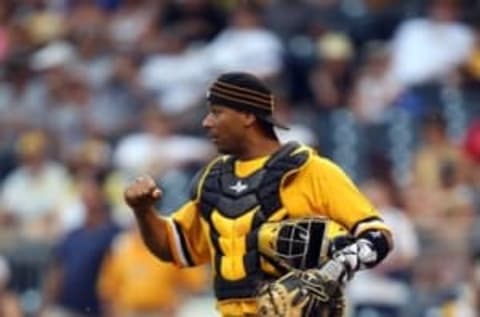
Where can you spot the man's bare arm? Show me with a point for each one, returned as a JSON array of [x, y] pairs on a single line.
[[141, 196]]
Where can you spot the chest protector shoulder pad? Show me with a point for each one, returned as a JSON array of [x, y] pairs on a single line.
[[233, 196]]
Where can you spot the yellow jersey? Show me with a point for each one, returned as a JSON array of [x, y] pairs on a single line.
[[132, 279], [202, 231]]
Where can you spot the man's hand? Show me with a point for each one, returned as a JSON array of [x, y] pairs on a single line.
[[348, 260], [142, 194]]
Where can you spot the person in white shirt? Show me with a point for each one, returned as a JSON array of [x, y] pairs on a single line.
[[430, 48]]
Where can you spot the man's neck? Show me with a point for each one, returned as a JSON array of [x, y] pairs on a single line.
[[259, 148]]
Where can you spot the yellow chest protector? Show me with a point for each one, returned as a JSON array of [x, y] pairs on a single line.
[[234, 208]]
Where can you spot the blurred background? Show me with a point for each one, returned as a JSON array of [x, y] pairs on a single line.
[[96, 92]]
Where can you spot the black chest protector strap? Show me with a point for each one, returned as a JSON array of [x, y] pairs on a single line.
[[233, 197]]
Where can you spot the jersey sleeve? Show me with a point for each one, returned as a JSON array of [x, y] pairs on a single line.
[[187, 241], [337, 197]]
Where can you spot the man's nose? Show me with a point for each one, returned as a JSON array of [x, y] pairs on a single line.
[[207, 121]]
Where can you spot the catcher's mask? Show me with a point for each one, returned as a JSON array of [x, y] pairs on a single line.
[[294, 243]]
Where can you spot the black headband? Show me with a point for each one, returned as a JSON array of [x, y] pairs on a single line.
[[244, 92]]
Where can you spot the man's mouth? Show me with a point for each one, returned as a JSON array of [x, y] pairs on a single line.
[[212, 136]]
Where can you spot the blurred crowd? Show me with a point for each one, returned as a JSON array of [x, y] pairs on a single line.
[[95, 92]]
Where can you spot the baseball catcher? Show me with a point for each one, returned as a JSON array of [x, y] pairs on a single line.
[[240, 217]]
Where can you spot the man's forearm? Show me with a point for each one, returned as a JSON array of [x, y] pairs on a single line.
[[365, 252], [153, 229]]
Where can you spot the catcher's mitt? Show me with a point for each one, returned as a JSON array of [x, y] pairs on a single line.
[[307, 293]]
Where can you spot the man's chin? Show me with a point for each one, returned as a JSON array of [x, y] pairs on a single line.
[[223, 150]]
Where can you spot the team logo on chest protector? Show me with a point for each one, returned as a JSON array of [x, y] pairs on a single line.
[[239, 187]]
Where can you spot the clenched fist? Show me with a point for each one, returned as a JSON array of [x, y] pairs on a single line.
[[142, 194]]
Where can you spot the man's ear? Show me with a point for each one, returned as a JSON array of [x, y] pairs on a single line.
[[250, 119]]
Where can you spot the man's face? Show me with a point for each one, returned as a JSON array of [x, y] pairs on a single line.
[[226, 128]]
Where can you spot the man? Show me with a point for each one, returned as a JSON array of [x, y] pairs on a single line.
[[257, 180], [130, 267], [69, 289]]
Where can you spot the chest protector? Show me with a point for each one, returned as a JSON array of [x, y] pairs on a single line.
[[225, 199]]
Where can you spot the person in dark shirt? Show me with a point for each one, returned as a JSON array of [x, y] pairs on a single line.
[[70, 286]]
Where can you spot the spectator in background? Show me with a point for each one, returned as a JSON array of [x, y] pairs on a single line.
[[384, 291], [70, 285], [246, 44], [130, 21], [375, 91], [331, 79], [440, 288], [443, 216], [439, 174], [18, 41], [35, 191], [70, 118], [42, 24], [94, 57], [9, 303], [31, 198], [92, 158], [22, 99], [288, 19], [117, 107], [438, 158], [158, 148], [372, 20], [133, 283], [85, 15], [198, 20], [422, 47], [173, 73], [456, 209], [330, 82]]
